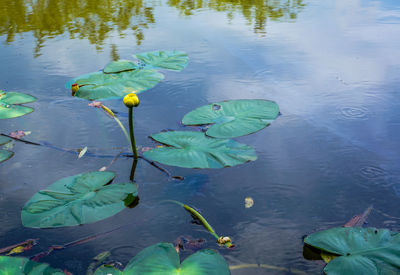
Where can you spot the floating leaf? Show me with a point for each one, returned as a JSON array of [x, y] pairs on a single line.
[[120, 66], [248, 202], [107, 270], [19, 134], [234, 118], [80, 199], [96, 104], [162, 258], [195, 150], [170, 60], [5, 154], [10, 104], [23, 266], [82, 152], [4, 140], [359, 250], [99, 85], [359, 220], [28, 244]]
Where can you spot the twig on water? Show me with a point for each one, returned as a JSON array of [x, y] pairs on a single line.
[[22, 140]]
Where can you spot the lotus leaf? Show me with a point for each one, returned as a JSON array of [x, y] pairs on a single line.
[[234, 118], [196, 150], [80, 199], [120, 66], [170, 60], [162, 258], [5, 154], [23, 266], [99, 85], [10, 104], [360, 250]]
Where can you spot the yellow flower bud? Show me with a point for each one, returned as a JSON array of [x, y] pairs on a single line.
[[74, 88], [131, 100]]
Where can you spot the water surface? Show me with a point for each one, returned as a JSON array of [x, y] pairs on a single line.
[[332, 66]]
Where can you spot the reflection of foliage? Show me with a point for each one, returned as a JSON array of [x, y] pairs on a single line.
[[256, 12], [91, 19]]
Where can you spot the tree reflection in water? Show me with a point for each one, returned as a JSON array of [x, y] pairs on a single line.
[[256, 12], [85, 19], [94, 20]]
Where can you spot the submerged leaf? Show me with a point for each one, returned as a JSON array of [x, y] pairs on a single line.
[[170, 60], [9, 104], [80, 199], [234, 118], [195, 150], [162, 258], [359, 250]]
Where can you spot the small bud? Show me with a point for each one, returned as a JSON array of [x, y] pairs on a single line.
[[131, 100], [74, 88]]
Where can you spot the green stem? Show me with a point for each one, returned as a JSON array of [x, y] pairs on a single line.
[[132, 134], [203, 221]]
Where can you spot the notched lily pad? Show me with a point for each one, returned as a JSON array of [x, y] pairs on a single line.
[[359, 250], [80, 199], [162, 258], [196, 150], [99, 85], [234, 118], [169, 60], [10, 104], [23, 266], [124, 76]]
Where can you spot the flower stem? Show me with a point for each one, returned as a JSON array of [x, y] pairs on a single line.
[[132, 134]]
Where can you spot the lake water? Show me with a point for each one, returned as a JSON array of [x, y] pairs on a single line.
[[332, 66]]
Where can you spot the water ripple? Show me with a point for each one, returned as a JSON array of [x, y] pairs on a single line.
[[354, 112], [373, 172]]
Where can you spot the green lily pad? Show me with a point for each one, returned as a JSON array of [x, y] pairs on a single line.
[[80, 199], [5, 154], [106, 270], [99, 85], [4, 140], [10, 104], [120, 66], [170, 60], [23, 266], [162, 258], [360, 250], [196, 150], [234, 118]]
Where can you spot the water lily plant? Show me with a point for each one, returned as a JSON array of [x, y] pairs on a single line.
[[10, 104]]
